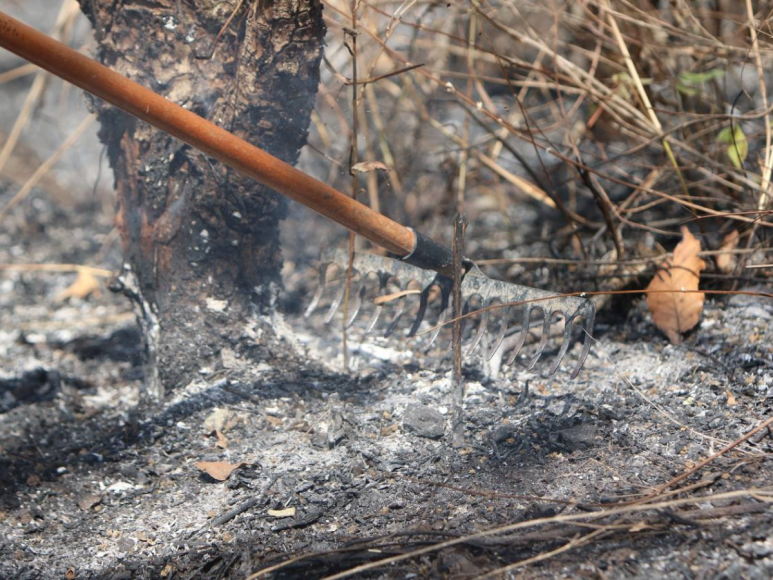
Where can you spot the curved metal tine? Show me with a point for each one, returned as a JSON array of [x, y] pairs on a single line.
[[481, 330], [587, 327], [565, 340], [336, 302], [382, 280], [465, 313], [441, 322], [503, 312], [356, 303], [374, 319], [320, 291], [441, 319], [423, 301], [543, 339], [392, 325], [525, 321]]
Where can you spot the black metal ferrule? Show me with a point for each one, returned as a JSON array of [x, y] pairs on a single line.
[[431, 255]]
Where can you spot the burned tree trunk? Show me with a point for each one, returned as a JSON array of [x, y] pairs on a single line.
[[200, 242]]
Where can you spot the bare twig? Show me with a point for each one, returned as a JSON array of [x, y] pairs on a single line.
[[46, 166], [353, 160], [760, 494], [245, 506], [35, 91], [767, 155], [575, 542], [457, 422], [99, 272]]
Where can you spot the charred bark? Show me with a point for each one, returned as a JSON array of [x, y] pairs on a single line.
[[201, 246]]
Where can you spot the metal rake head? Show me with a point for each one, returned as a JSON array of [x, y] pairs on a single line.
[[519, 309]]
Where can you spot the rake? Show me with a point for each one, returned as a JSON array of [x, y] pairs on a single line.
[[419, 261]]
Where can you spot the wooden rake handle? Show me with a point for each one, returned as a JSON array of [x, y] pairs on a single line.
[[84, 72]]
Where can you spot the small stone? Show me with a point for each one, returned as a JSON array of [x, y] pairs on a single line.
[[216, 305], [125, 544], [579, 436], [424, 421], [757, 550]]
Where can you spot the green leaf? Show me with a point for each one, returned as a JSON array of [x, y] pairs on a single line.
[[737, 145], [689, 78], [687, 90], [690, 84]]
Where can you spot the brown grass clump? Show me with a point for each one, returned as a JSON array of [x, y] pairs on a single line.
[[587, 126]]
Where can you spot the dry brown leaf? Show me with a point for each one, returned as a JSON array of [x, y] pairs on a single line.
[[88, 501], [219, 470], [673, 309], [726, 262], [368, 166], [731, 399], [222, 440], [85, 284]]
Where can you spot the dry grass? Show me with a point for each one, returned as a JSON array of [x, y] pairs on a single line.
[[615, 118]]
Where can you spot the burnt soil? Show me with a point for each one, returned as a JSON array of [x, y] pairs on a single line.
[[346, 469]]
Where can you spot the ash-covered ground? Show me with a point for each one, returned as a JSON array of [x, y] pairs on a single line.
[[94, 484], [346, 469]]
